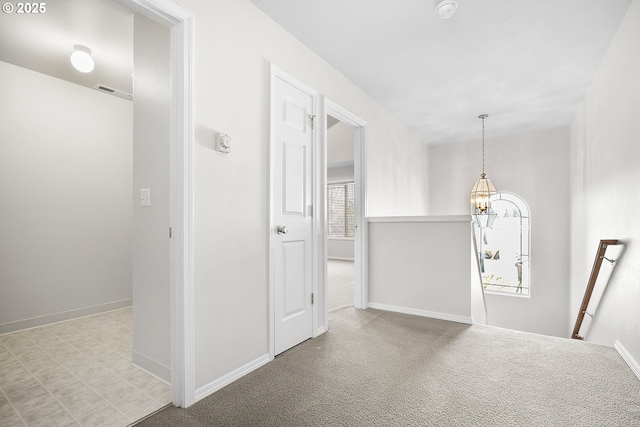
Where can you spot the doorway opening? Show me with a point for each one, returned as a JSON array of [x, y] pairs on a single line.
[[340, 214], [180, 24], [345, 266], [72, 334]]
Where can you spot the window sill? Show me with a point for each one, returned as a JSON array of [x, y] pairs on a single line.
[[507, 294]]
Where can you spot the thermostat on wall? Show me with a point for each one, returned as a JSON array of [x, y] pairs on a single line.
[[223, 143]]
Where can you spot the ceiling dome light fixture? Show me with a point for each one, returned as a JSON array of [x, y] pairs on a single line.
[[81, 59], [481, 194], [446, 8]]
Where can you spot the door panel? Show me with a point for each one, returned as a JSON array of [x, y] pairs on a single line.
[[294, 268], [294, 116], [294, 178], [292, 198]]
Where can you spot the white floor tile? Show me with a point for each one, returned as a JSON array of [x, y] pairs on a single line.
[[63, 374], [59, 419]]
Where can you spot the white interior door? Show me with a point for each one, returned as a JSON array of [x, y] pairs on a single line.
[[292, 208]]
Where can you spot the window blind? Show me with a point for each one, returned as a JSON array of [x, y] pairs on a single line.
[[341, 209]]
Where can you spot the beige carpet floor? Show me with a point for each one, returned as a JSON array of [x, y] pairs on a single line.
[[375, 368], [340, 281]]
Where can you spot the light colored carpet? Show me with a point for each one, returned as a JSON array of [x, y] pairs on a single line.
[[375, 368], [340, 281]]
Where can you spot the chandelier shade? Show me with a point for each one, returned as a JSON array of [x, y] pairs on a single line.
[[481, 194]]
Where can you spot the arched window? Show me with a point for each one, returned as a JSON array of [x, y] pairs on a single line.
[[504, 247]]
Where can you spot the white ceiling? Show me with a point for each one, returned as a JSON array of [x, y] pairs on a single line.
[[44, 42], [526, 63]]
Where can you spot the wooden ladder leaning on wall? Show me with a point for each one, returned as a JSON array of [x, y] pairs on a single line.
[[602, 248]]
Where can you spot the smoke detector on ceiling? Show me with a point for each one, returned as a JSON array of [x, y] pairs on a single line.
[[446, 8]]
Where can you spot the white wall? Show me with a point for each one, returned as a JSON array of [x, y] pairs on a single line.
[[397, 175], [422, 266], [605, 137], [151, 251], [535, 166], [340, 143], [341, 174], [234, 46], [340, 248], [65, 193]]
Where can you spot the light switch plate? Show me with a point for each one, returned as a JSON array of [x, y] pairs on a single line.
[[223, 143], [145, 197]]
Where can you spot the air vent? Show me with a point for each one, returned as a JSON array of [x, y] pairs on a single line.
[[112, 91]]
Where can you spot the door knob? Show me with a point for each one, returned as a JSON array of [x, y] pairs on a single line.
[[282, 229]]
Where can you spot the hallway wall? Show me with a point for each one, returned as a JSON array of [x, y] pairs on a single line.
[[535, 166], [235, 44], [605, 144]]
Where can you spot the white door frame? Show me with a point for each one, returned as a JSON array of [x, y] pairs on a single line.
[[361, 295], [180, 23], [277, 73]]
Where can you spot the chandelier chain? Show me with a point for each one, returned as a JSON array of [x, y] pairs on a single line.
[[482, 117]]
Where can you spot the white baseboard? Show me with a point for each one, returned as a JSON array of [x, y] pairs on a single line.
[[627, 358], [319, 331], [152, 367], [227, 379], [34, 322], [423, 313]]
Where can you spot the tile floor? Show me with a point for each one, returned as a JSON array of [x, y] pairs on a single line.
[[76, 373]]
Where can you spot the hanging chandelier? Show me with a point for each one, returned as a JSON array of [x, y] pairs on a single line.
[[481, 194]]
